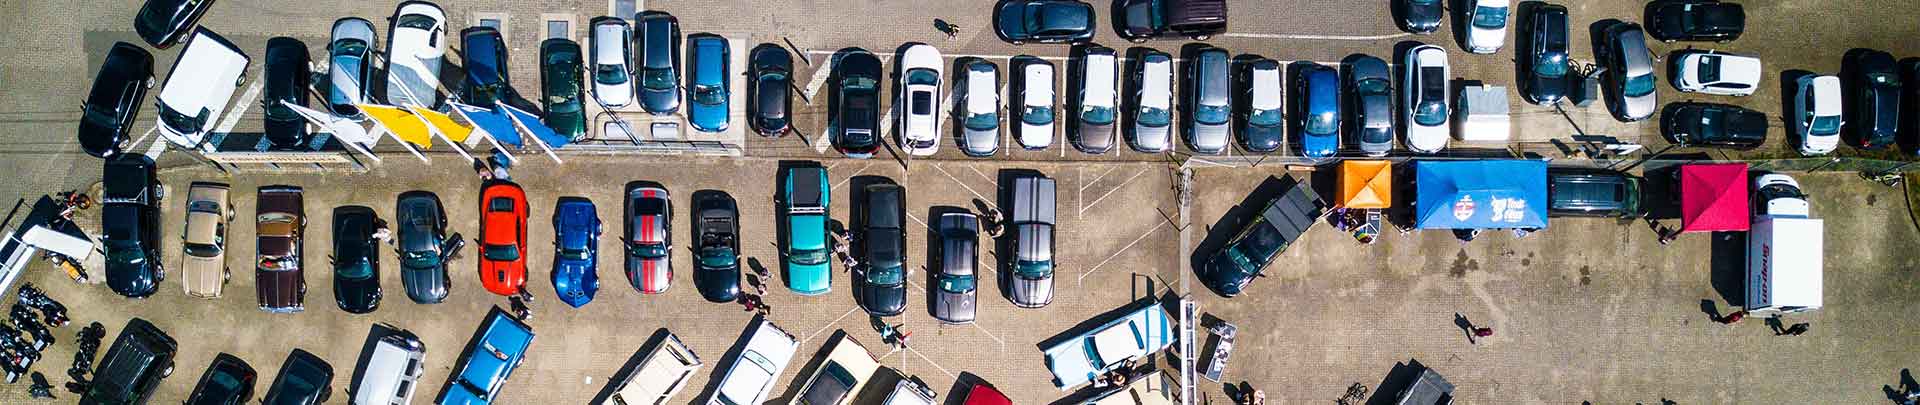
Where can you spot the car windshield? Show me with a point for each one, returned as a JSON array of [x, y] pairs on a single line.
[[504, 253], [99, 116], [1638, 86], [956, 284], [354, 269], [922, 77], [278, 111], [415, 21], [1210, 114], [1490, 17], [1033, 268], [1265, 118], [1321, 124], [982, 122], [1154, 117], [220, 385], [718, 257], [649, 250], [1371, 86], [420, 260], [202, 250], [1550, 66], [124, 251], [575, 254], [1097, 115], [1430, 113], [610, 74], [657, 79], [888, 275], [1037, 115], [709, 95], [178, 121], [1824, 125], [810, 257]]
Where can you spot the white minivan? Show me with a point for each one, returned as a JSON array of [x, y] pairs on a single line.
[[203, 80], [392, 371], [751, 377]]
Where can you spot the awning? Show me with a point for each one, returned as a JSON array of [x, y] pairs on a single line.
[[401, 123], [495, 123], [1713, 197], [1366, 184], [1480, 194], [531, 123]]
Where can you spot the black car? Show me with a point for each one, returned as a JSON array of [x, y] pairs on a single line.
[[228, 381], [1140, 20], [304, 379], [1421, 16], [1592, 193], [769, 95], [1544, 67], [1370, 89], [717, 263], [657, 36], [140, 357], [163, 23], [1713, 125], [857, 116], [287, 82], [1695, 20], [882, 280], [485, 58], [114, 102], [356, 259], [1873, 82], [1043, 21], [421, 243], [1243, 258], [130, 220], [563, 88]]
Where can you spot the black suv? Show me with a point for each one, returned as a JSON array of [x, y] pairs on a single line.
[[1873, 86], [1140, 20], [133, 366], [1592, 193], [228, 381], [1696, 20], [130, 221]]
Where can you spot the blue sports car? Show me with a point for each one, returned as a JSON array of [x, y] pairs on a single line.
[[576, 244]]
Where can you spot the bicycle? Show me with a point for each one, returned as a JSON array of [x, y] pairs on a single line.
[[1889, 179]]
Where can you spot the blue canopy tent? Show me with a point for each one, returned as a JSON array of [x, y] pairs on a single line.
[[1480, 194]]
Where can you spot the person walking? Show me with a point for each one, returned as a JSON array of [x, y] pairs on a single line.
[[1795, 330]]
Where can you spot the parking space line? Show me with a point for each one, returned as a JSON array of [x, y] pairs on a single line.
[[923, 224], [1096, 267], [931, 362], [1096, 179], [819, 78], [1003, 343], [820, 144], [964, 186], [856, 173], [829, 325], [239, 108], [1123, 184], [983, 175], [158, 147], [1321, 37]]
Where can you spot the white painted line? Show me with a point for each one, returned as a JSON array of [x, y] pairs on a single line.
[[930, 361], [1096, 179], [963, 185], [1116, 188], [820, 143], [829, 325], [1096, 267], [158, 147], [923, 224], [1199, 160], [232, 117], [819, 78], [983, 175], [1003, 343], [856, 173], [1321, 37]]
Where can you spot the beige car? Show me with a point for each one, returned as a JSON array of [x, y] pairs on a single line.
[[205, 261], [658, 378]]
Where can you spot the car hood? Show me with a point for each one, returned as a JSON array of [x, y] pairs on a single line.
[[952, 307], [99, 140], [503, 277], [650, 275], [660, 101], [1209, 138], [575, 281], [204, 277], [357, 296], [1426, 139], [1032, 292], [1486, 39], [980, 142], [1264, 139], [708, 117], [1094, 138], [1638, 108], [1376, 141], [281, 291], [884, 300], [1546, 90], [1150, 139], [1036, 136], [1219, 275], [718, 285], [425, 285], [1424, 18], [133, 279], [614, 95], [1319, 145], [809, 279]]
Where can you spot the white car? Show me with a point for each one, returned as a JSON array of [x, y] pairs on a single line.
[[1424, 92], [1153, 122], [765, 356], [919, 120], [909, 392], [1816, 109], [1716, 73], [840, 375], [612, 48], [1487, 26], [1036, 105], [416, 45], [980, 109], [661, 374], [203, 80]]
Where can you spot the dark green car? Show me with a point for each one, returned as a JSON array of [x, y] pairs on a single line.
[[561, 87]]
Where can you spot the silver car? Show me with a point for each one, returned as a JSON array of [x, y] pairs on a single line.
[[1630, 73], [979, 108], [1153, 113], [349, 61], [954, 287], [1209, 107], [1369, 87], [1033, 241]]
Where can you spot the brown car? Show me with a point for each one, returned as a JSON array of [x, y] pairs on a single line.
[[205, 240], [280, 225]]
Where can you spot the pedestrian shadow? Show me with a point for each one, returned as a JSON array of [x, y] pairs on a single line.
[[1466, 326], [1712, 310]]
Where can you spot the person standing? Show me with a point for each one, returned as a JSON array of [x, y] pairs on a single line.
[[1736, 316]]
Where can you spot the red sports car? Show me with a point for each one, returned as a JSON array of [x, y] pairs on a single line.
[[503, 238]]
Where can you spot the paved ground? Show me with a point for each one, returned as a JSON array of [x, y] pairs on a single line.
[[1593, 309]]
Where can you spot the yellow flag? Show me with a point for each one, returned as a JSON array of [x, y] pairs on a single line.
[[440, 121], [403, 124]]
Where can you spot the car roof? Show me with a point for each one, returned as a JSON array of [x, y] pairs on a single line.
[[1826, 95], [806, 186], [1038, 83], [1266, 84], [983, 90], [1631, 42], [1211, 72], [884, 205], [1099, 74]]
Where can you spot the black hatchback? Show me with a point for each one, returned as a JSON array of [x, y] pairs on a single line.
[[356, 259], [130, 219], [1043, 21], [1696, 20], [163, 23], [1873, 86], [287, 82], [1543, 70], [140, 357], [114, 103], [1713, 125], [304, 379], [769, 97], [228, 381]]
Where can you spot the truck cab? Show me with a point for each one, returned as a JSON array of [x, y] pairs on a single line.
[[1779, 195]]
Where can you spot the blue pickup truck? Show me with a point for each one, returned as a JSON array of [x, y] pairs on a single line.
[[1080, 359], [490, 358]]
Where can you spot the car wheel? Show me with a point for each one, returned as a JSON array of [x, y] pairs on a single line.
[[241, 81], [149, 82], [1018, 42], [167, 372], [1137, 40], [1667, 41]]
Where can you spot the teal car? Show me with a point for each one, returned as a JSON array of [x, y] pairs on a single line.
[[561, 89], [806, 251]]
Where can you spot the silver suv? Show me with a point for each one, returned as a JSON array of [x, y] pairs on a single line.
[[1209, 103]]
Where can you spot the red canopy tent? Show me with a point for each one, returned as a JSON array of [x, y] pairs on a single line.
[[1713, 197]]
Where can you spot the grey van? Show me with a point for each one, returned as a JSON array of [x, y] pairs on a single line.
[[1209, 102], [1630, 73], [392, 371], [1033, 243]]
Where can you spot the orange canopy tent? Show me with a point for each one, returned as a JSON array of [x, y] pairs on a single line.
[[1366, 184]]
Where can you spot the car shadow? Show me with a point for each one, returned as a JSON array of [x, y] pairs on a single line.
[[632, 365], [1398, 379]]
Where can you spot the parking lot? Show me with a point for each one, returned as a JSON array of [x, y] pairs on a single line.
[[1589, 310]]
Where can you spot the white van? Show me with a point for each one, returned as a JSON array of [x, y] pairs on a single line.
[[392, 371], [660, 376], [765, 356], [203, 80]]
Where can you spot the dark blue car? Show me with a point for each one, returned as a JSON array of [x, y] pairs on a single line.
[[576, 245], [707, 86], [486, 65], [1320, 113]]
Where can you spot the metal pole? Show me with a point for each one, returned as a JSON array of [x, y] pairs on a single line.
[[1829, 162]]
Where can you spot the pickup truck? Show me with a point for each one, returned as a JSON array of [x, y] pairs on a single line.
[[806, 251], [490, 358], [1080, 359]]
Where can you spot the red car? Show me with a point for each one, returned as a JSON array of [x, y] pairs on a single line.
[[503, 238], [983, 394]]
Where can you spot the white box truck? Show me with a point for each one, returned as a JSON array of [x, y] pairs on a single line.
[[1784, 248]]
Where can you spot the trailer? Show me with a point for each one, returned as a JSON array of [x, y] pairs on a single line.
[[1485, 115]]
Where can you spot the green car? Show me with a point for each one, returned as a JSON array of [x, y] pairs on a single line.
[[560, 87], [806, 251]]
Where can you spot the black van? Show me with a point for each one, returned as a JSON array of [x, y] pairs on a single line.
[[133, 366], [1140, 20]]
